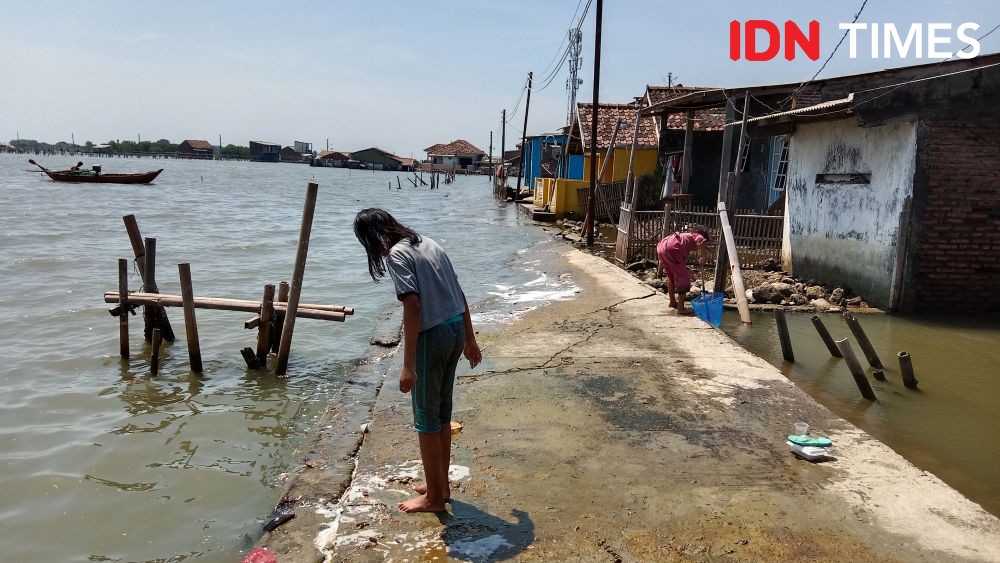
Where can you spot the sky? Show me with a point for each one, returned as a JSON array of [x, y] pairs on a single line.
[[400, 75]]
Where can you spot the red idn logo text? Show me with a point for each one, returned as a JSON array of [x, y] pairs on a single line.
[[794, 36]]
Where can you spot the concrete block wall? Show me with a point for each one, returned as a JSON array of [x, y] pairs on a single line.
[[957, 262]]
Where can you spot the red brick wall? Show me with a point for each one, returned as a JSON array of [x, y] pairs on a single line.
[[956, 265]]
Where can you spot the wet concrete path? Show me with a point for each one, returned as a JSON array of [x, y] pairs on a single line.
[[606, 429]]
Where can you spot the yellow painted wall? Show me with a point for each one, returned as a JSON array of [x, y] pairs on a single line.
[[565, 200], [645, 163]]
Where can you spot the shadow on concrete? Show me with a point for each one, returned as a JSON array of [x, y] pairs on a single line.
[[474, 535]]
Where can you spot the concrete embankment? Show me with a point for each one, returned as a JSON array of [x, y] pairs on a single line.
[[607, 429]]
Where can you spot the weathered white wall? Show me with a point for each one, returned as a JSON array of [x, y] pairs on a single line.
[[846, 233]]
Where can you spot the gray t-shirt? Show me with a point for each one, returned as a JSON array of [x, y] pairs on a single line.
[[423, 268]]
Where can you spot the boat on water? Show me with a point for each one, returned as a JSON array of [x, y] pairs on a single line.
[[95, 176]]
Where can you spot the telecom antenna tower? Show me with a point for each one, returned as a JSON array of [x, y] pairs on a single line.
[[574, 81]]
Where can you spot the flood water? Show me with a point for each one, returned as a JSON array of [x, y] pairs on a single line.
[[99, 461], [950, 426]]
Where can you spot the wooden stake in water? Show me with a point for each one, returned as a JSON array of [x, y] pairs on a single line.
[[279, 317], [190, 325], [783, 337], [298, 271], [264, 330], [123, 307], [825, 336], [863, 342], [139, 250], [154, 358], [906, 367], [855, 367]]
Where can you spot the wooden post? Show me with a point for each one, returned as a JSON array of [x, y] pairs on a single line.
[[149, 286], [139, 250], [734, 264], [724, 172], [687, 159], [297, 273], [154, 358], [264, 330], [906, 367], [855, 367], [279, 317], [783, 337], [123, 307], [398, 185], [525, 167], [631, 194], [250, 358], [595, 110], [879, 375], [664, 229], [863, 342], [825, 335], [190, 325]]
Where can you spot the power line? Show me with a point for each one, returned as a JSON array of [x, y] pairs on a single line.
[[826, 62]]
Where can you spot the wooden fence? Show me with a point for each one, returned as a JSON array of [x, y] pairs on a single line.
[[610, 198], [758, 236]]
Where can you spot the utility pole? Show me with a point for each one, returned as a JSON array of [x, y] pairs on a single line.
[[491, 149], [503, 148], [524, 137], [670, 80], [72, 139], [592, 200]]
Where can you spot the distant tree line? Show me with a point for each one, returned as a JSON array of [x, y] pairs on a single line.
[[161, 146]]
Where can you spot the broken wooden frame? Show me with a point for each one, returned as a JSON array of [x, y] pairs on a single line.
[[274, 319]]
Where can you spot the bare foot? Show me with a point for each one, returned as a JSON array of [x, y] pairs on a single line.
[[420, 504], [672, 304], [421, 489]]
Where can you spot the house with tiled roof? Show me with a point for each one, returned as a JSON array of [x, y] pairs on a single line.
[[608, 116], [456, 155]]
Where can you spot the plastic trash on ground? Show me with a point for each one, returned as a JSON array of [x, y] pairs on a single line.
[[811, 453]]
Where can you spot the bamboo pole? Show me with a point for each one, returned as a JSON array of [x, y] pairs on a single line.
[[863, 342], [123, 306], [825, 336], [855, 367], [190, 325], [734, 264], [266, 318], [298, 271], [306, 310], [906, 367], [783, 337], [154, 358]]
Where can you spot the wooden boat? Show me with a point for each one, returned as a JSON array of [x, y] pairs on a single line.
[[89, 177]]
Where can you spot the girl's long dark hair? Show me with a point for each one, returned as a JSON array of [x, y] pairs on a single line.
[[378, 231]]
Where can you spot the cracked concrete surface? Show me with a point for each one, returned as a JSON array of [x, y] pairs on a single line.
[[607, 429]]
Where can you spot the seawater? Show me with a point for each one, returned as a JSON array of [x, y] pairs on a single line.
[[948, 426], [99, 460]]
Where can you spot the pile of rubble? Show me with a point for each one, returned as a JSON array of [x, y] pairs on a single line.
[[766, 289]]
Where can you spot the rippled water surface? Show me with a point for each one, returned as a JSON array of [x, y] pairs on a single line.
[[102, 462]]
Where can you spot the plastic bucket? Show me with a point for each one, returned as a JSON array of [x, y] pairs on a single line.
[[708, 307]]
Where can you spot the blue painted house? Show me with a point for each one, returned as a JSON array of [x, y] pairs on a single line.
[[543, 159]]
